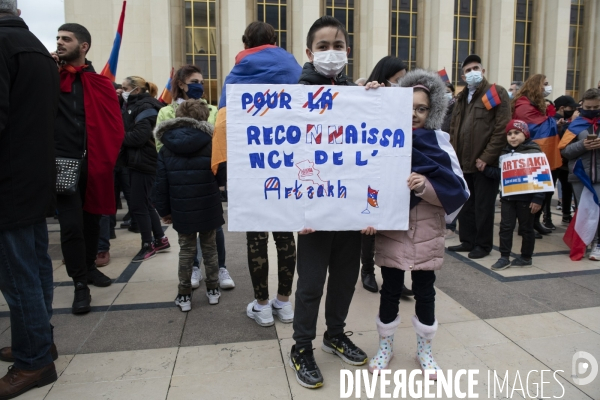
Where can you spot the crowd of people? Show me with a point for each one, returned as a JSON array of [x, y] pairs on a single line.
[[92, 139]]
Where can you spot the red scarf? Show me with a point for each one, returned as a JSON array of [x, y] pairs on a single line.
[[105, 133]]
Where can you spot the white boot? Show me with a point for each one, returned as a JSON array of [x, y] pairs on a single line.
[[384, 355], [425, 334]]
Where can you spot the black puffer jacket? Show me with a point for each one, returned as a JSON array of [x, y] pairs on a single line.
[[186, 187], [311, 77], [139, 117]]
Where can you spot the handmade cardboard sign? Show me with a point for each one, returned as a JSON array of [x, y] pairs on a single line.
[[525, 173], [321, 157]]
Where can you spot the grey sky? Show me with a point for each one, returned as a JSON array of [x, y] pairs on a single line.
[[43, 18]]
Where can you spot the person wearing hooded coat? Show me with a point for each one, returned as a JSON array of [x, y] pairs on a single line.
[[187, 193], [438, 192]]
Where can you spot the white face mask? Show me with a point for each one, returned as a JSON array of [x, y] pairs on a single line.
[[474, 78], [448, 96], [125, 95], [330, 63], [394, 84], [547, 90]]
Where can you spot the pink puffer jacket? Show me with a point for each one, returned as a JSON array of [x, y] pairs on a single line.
[[421, 247]]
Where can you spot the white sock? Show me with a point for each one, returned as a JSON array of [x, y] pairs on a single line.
[[259, 307], [280, 304]]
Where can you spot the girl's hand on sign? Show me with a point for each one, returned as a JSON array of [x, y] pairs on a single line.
[[416, 182], [535, 207], [369, 231], [373, 85], [306, 231]]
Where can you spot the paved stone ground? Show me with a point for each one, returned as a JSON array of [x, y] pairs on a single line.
[[135, 344]]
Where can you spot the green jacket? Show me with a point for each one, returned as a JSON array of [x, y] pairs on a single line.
[[168, 112]]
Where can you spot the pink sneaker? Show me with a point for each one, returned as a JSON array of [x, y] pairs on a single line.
[[161, 244], [146, 253]]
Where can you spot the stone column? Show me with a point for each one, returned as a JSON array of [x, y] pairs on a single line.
[[435, 34], [232, 24], [550, 42], [304, 13], [176, 15], [372, 39], [590, 41], [495, 39]]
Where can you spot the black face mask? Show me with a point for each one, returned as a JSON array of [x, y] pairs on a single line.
[[568, 114], [589, 114]]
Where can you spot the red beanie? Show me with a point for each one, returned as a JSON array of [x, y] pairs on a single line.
[[518, 125]]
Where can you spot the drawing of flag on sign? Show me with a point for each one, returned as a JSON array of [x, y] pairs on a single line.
[[525, 173], [371, 200], [491, 99]]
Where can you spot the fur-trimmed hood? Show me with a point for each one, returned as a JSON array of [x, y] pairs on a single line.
[[184, 135], [437, 102]]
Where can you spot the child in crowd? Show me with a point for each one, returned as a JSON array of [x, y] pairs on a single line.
[[323, 251], [187, 193], [437, 189], [520, 207]]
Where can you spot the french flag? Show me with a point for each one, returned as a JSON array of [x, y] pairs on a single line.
[[110, 69], [584, 225]]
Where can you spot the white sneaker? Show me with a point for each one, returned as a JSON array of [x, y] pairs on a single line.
[[213, 296], [184, 301], [196, 277], [449, 234], [285, 313], [263, 317], [595, 254], [225, 281]]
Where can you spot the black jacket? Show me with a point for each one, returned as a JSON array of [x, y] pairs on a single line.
[[186, 187], [29, 86], [527, 147], [139, 117], [310, 76]]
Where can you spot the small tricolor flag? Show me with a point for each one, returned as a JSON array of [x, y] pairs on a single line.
[[166, 96], [371, 200], [110, 69], [584, 224], [491, 99], [444, 75]]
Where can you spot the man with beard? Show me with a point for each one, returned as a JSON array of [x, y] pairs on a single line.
[[28, 104], [88, 127]]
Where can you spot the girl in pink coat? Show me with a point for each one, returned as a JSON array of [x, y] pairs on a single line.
[[438, 191]]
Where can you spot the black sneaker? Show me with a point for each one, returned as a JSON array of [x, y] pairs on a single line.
[[83, 299], [522, 262], [146, 253], [566, 219], [97, 278], [548, 224], [502, 263], [342, 346], [308, 373]]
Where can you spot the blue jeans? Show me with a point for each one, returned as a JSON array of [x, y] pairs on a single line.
[[104, 239], [26, 283], [220, 249]]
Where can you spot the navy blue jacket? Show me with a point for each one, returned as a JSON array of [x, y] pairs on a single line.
[[185, 186]]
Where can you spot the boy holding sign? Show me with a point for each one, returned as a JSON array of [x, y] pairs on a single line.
[[325, 251], [517, 206]]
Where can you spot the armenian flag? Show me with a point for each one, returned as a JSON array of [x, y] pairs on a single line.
[[583, 226], [166, 96], [444, 75], [491, 99], [262, 64], [578, 125], [110, 69]]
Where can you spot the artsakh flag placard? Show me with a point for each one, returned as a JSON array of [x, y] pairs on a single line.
[[525, 173], [491, 99]]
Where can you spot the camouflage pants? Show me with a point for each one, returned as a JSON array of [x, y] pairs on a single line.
[[258, 262], [187, 253]]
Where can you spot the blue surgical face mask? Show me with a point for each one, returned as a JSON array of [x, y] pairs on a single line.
[[510, 95], [474, 78], [195, 90]]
